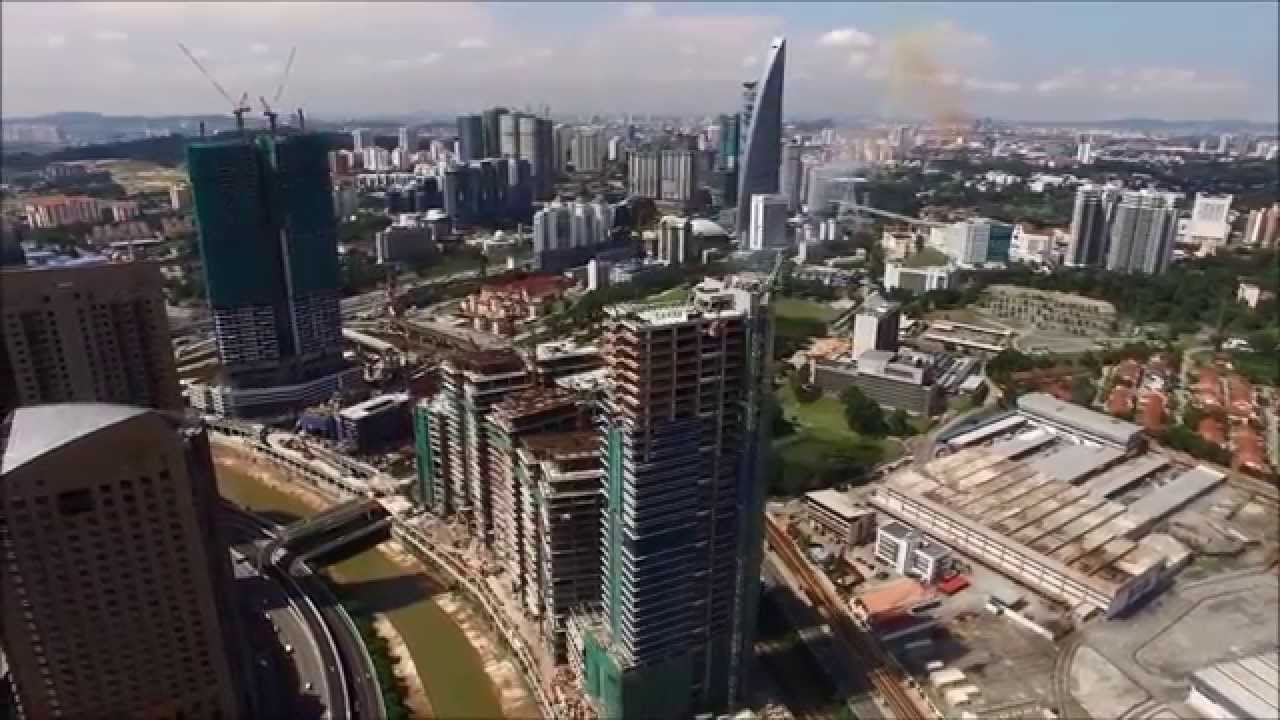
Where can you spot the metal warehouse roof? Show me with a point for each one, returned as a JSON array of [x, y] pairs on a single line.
[[1176, 493], [1074, 462], [1088, 421], [1248, 688], [1123, 476]]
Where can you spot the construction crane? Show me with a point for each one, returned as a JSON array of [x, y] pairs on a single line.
[[284, 78], [238, 108]]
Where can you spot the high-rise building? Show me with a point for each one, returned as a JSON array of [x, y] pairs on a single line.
[[875, 327], [407, 143], [269, 245], [518, 416], [455, 426], [179, 197], [1091, 225], [684, 507], [762, 125], [491, 125], [1210, 221], [676, 243], [360, 139], [730, 127], [791, 176], [509, 135], [588, 150], [768, 222], [471, 138], [1143, 232], [88, 333], [1084, 151], [670, 175], [967, 242], [1262, 229], [117, 598]]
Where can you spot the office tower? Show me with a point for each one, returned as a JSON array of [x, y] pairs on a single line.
[[87, 333], [535, 145], [762, 124], [677, 244], [875, 327], [407, 142], [791, 176], [360, 139], [1084, 152], [471, 138], [683, 516], [491, 125], [116, 586], [518, 416], [562, 137], [1091, 225], [509, 133], [457, 427], [1143, 232], [999, 239], [1210, 221], [269, 245], [968, 241], [588, 150], [727, 158], [615, 148], [768, 222], [1262, 229]]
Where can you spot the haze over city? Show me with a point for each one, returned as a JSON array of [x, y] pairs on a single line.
[[1022, 61]]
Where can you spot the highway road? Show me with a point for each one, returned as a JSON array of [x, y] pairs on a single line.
[[276, 624]]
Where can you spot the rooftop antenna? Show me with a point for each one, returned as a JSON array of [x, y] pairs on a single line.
[[201, 128], [238, 109]]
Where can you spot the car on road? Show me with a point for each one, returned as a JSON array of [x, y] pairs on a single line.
[[288, 649]]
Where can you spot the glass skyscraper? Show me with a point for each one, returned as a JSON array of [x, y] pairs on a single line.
[[762, 130]]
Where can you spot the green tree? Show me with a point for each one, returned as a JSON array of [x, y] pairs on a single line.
[[899, 424], [863, 414], [1082, 390]]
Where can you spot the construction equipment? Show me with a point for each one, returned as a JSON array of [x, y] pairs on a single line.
[[270, 114], [238, 108]]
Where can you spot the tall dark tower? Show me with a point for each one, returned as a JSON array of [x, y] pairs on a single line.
[[268, 240], [762, 131]]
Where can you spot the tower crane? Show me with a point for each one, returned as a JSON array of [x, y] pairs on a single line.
[[284, 78], [238, 108]]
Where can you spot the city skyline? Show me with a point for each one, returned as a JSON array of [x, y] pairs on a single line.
[[928, 60]]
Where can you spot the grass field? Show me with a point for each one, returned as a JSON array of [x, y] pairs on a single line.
[[789, 307], [823, 450], [677, 294]]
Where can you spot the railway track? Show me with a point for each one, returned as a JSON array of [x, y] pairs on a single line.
[[894, 689]]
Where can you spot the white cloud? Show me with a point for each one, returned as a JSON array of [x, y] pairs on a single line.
[[858, 59], [472, 43], [55, 40], [1068, 80], [429, 59], [1145, 81], [110, 36], [959, 37], [1002, 87], [638, 10], [543, 53], [259, 48], [847, 37]]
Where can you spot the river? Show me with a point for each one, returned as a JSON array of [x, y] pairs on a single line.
[[450, 668]]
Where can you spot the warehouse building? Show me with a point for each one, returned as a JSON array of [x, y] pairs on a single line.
[[1238, 690], [1077, 420], [1057, 537]]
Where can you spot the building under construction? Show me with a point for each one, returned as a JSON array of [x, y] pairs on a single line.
[[452, 434], [682, 523], [520, 415], [561, 564]]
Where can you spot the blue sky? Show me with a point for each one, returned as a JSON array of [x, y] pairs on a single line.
[[1014, 60]]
